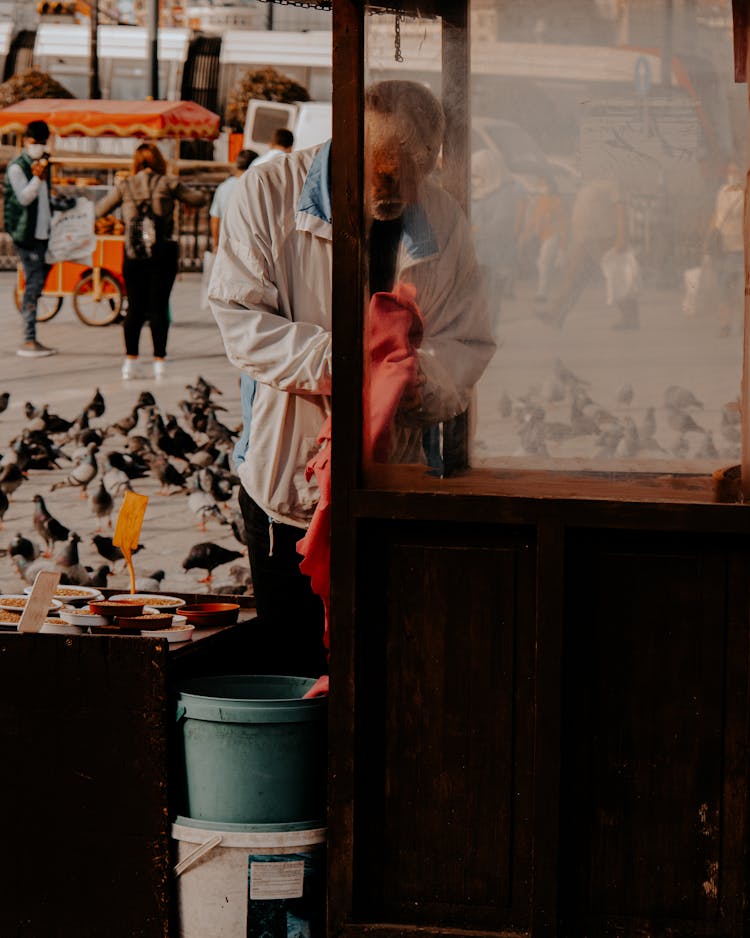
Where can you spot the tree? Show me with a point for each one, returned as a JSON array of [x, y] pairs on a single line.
[[265, 84], [31, 84]]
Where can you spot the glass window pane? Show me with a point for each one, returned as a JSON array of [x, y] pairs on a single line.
[[604, 169]]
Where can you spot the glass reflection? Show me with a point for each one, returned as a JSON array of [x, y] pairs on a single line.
[[605, 182]]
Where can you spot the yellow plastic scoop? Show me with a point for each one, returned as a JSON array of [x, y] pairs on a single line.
[[128, 529]]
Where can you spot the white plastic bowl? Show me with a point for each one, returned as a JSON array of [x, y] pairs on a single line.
[[156, 600], [10, 607], [81, 594], [56, 627], [75, 617], [177, 633]]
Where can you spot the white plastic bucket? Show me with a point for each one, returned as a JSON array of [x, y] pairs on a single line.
[[243, 881]]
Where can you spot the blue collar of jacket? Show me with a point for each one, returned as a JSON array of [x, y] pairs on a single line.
[[314, 211]]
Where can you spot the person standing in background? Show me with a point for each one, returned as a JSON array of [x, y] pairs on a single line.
[[726, 247], [27, 217], [149, 279], [282, 141], [224, 193], [546, 223]]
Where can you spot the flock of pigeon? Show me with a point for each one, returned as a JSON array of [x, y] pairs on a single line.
[[101, 461], [681, 432]]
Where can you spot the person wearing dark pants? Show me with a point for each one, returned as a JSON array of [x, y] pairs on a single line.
[[148, 200], [149, 283], [290, 616], [27, 217]]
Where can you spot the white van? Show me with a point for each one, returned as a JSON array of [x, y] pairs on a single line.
[[309, 121]]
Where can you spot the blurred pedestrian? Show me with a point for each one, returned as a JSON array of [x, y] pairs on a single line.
[[224, 193], [148, 194], [547, 226], [282, 141], [725, 247], [497, 214], [27, 217], [598, 229]]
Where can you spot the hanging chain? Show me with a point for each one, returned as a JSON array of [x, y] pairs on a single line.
[[397, 40], [323, 5]]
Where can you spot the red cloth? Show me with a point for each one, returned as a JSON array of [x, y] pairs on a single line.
[[395, 331], [315, 546]]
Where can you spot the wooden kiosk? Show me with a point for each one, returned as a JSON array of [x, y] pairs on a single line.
[[539, 707]]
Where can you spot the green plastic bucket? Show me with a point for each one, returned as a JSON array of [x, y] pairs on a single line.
[[254, 750]]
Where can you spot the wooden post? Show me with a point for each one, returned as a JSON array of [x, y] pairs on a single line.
[[745, 388]]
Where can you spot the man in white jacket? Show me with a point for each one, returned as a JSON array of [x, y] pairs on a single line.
[[270, 292]]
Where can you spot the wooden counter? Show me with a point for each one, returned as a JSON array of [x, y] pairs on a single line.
[[87, 785]]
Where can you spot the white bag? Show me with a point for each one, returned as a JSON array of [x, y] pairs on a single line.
[[72, 235], [622, 274], [692, 280], [208, 265]]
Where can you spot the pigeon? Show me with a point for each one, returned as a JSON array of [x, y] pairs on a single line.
[[217, 432], [4, 503], [133, 466], [680, 447], [102, 504], [167, 474], [730, 428], [70, 563], [21, 546], [48, 527], [608, 442], [220, 485], [28, 569], [505, 405], [567, 378], [53, 423], [115, 480], [181, 438], [203, 505], [98, 577], [681, 398], [625, 394], [707, 449], [11, 477], [208, 556], [681, 422], [95, 407], [108, 550], [4, 399], [150, 584], [31, 411], [238, 527], [648, 427], [630, 443], [239, 581], [83, 473]]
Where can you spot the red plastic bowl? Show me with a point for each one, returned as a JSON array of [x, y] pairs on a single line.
[[211, 613]]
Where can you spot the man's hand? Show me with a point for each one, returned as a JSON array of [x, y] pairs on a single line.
[[39, 168]]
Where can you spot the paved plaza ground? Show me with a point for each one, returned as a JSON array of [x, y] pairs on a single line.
[[89, 358]]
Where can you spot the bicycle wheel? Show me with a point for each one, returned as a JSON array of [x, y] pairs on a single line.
[[46, 307], [101, 311]]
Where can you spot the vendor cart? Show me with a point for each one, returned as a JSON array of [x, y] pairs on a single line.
[[98, 289]]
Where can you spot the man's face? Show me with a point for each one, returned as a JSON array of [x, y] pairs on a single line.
[[392, 177]]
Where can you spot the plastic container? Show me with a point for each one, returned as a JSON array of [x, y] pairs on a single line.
[[254, 750], [236, 880]]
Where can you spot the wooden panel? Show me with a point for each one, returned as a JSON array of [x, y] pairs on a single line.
[[444, 729], [652, 812], [83, 725]]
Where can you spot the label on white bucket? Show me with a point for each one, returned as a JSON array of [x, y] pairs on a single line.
[[281, 879], [286, 894]]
